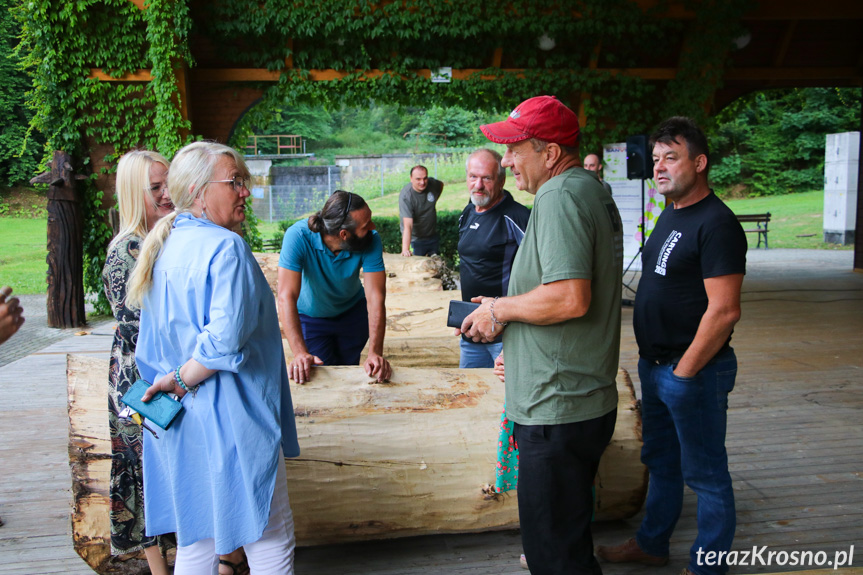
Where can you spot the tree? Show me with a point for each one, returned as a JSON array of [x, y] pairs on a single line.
[[772, 142], [312, 123], [20, 153]]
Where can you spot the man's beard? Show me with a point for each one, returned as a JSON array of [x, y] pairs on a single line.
[[480, 201], [356, 243]]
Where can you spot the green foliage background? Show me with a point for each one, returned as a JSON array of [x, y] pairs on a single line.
[[20, 151], [62, 42], [773, 142]]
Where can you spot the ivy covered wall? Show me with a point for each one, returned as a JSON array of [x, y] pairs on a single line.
[[517, 49]]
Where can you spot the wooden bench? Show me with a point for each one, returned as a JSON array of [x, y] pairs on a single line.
[[758, 220]]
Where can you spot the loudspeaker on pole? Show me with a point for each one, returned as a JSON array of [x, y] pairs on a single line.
[[639, 162]]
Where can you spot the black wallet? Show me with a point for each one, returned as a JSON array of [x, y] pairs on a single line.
[[161, 409], [458, 310]]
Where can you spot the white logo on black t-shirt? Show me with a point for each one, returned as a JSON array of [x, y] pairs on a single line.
[[665, 252]]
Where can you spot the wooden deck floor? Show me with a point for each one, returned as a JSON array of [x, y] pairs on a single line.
[[795, 444]]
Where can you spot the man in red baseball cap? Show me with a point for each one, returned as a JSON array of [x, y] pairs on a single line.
[[563, 341]]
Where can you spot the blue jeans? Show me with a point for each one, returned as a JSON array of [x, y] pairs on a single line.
[[683, 425], [478, 354]]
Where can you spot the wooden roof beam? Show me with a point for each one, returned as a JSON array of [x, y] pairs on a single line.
[[264, 75]]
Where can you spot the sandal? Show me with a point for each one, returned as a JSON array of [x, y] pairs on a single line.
[[241, 568]]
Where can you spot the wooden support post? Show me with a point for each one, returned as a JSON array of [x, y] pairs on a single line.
[[65, 245]]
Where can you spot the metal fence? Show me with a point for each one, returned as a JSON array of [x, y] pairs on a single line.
[[291, 191]]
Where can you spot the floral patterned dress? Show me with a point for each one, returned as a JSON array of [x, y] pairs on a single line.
[[507, 457], [126, 489]]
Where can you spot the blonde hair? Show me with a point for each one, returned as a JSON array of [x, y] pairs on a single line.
[[133, 191], [190, 174]]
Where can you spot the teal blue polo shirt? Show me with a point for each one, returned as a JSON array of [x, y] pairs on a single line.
[[331, 283]]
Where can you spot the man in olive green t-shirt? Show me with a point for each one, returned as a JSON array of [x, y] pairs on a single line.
[[562, 345]]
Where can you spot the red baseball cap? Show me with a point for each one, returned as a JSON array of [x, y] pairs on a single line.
[[542, 117]]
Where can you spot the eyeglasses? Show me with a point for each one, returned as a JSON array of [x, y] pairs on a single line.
[[239, 182], [157, 189], [347, 210]]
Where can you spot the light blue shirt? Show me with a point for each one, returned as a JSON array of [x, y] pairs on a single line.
[[212, 474], [331, 283]]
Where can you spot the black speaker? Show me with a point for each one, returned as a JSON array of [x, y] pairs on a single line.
[[639, 161]]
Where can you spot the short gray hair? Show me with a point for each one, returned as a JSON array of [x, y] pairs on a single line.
[[501, 171]]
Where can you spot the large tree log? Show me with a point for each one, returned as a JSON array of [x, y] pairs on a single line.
[[414, 456]]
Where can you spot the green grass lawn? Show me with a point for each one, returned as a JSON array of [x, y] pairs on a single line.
[[22, 254], [792, 216], [23, 241], [455, 196]]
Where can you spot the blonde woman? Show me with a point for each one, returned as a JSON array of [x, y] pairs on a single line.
[[142, 200], [209, 334]]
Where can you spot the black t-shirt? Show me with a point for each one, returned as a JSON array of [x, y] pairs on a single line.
[[687, 246], [487, 243]]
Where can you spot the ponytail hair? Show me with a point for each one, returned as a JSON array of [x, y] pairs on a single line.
[[190, 173], [335, 215]]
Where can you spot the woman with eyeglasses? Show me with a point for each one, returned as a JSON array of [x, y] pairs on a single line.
[[142, 200], [209, 334], [327, 314]]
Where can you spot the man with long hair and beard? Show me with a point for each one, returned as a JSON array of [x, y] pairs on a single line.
[[327, 314]]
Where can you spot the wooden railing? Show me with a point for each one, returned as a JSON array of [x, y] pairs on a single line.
[[293, 144]]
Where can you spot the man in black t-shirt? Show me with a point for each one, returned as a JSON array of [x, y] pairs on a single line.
[[687, 304], [490, 230]]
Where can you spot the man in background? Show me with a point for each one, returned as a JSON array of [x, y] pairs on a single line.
[[592, 163], [490, 229], [418, 214]]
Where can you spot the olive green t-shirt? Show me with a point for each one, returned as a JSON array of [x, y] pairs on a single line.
[[564, 373]]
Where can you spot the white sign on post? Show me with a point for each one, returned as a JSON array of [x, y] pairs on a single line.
[[627, 196]]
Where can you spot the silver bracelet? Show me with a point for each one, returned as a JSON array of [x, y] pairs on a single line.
[[493, 318]]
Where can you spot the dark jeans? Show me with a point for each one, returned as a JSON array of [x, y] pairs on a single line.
[[683, 425], [426, 246], [556, 468], [338, 340]]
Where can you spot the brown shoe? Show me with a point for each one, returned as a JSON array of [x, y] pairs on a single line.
[[629, 552]]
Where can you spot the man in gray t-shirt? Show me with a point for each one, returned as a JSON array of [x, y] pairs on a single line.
[[418, 214]]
